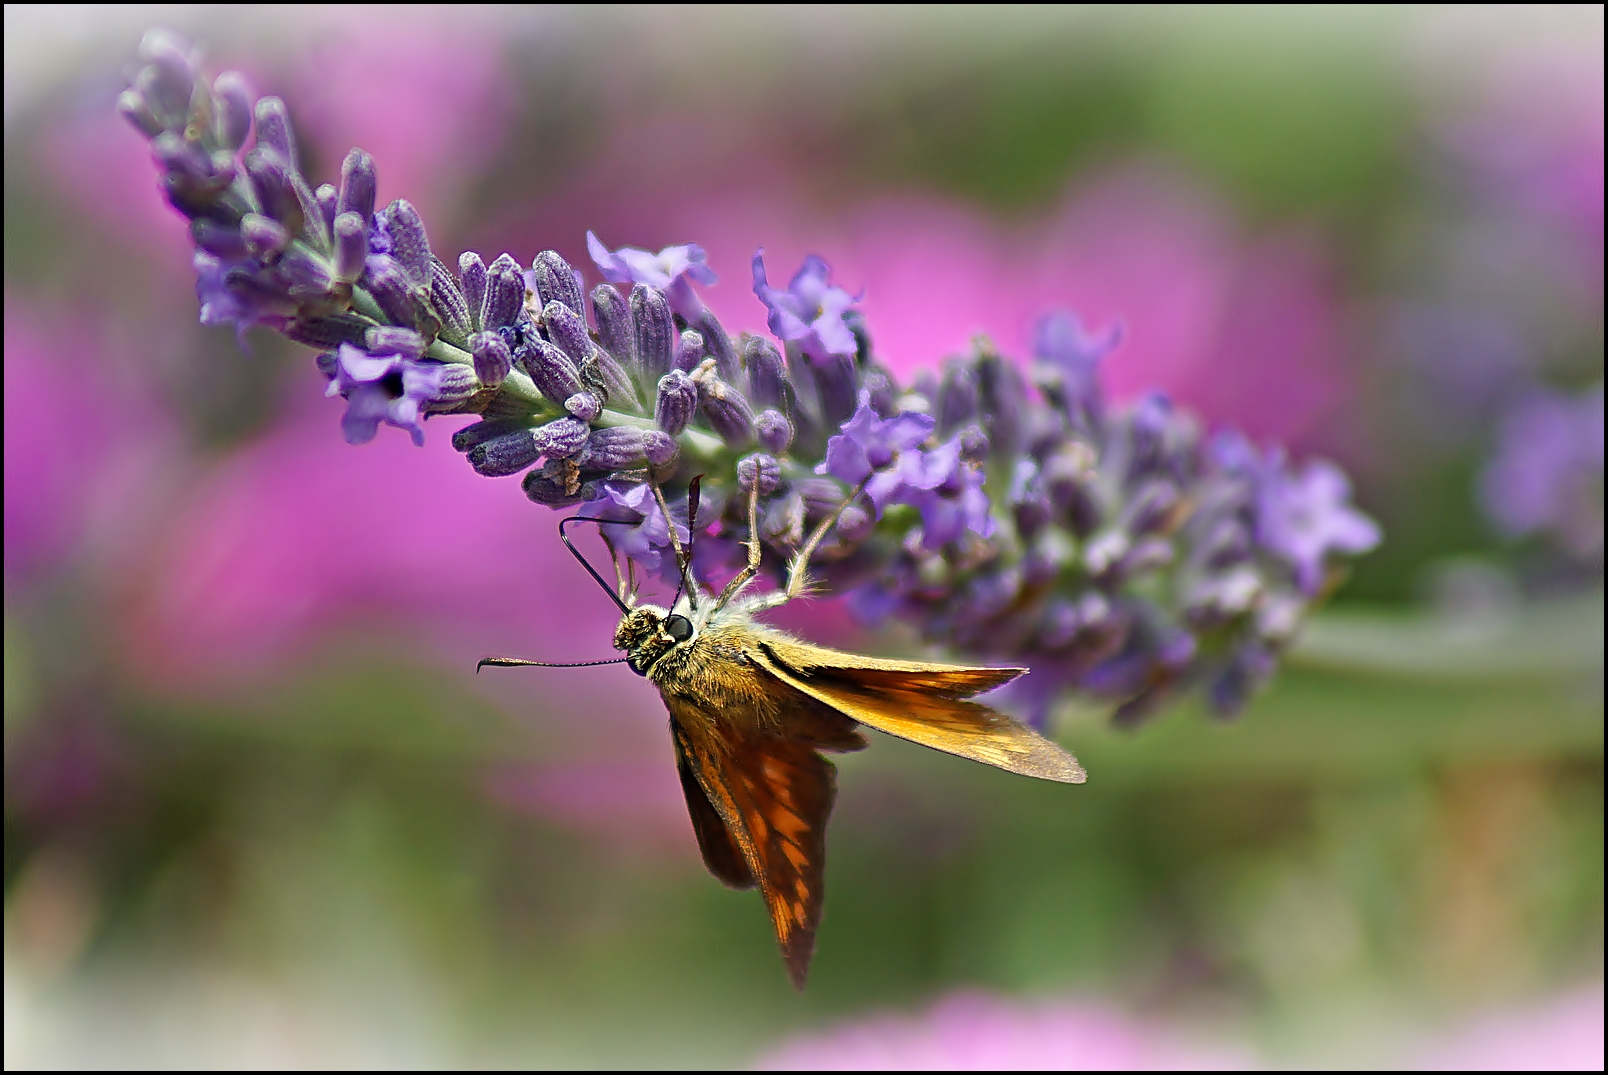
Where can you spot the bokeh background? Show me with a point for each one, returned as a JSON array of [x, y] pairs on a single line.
[[258, 811]]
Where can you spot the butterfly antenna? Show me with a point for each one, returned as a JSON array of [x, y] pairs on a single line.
[[590, 570], [683, 553], [516, 662]]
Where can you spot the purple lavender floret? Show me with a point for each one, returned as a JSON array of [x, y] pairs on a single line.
[[647, 539], [1304, 517], [390, 388], [810, 312], [1007, 510], [672, 270]]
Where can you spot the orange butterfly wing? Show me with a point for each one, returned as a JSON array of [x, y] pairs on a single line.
[[924, 703], [721, 853], [774, 796]]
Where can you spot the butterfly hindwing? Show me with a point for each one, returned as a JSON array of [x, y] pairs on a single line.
[[720, 852], [774, 795]]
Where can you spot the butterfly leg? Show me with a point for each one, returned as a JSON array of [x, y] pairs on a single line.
[[755, 551], [798, 573], [683, 556]]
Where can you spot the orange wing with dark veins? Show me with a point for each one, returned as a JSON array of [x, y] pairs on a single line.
[[774, 796], [720, 852]]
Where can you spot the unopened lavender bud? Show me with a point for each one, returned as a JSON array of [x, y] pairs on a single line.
[[390, 340], [853, 524], [389, 285], [584, 406], [1227, 542], [505, 293], [327, 198], [327, 331], [358, 185], [783, 521], [504, 455], [166, 99], [131, 105], [655, 329], [616, 328], [554, 485], [689, 351], [409, 244], [767, 373], [181, 158], [718, 346], [276, 191], [1105, 552], [659, 447], [481, 432], [555, 375], [837, 385], [612, 449], [170, 77], [562, 438], [676, 402], [1029, 505], [957, 397], [775, 432], [1069, 481], [1150, 507], [973, 444], [304, 274], [450, 305], [263, 235], [727, 412], [763, 468], [555, 280], [565, 328], [472, 282], [273, 129], [881, 392], [231, 109], [492, 357], [1003, 393], [455, 384], [1151, 554], [351, 247], [617, 385]]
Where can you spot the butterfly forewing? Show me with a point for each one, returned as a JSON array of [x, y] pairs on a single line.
[[924, 703], [947, 680], [774, 796]]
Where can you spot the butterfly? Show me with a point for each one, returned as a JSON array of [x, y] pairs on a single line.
[[753, 709]]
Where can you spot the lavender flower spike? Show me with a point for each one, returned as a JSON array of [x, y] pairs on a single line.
[[672, 270], [1113, 549]]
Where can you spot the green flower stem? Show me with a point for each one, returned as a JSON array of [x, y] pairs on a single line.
[[364, 304]]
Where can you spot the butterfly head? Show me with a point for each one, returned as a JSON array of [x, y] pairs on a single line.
[[648, 632]]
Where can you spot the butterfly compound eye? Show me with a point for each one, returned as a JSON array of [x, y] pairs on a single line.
[[678, 627]]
